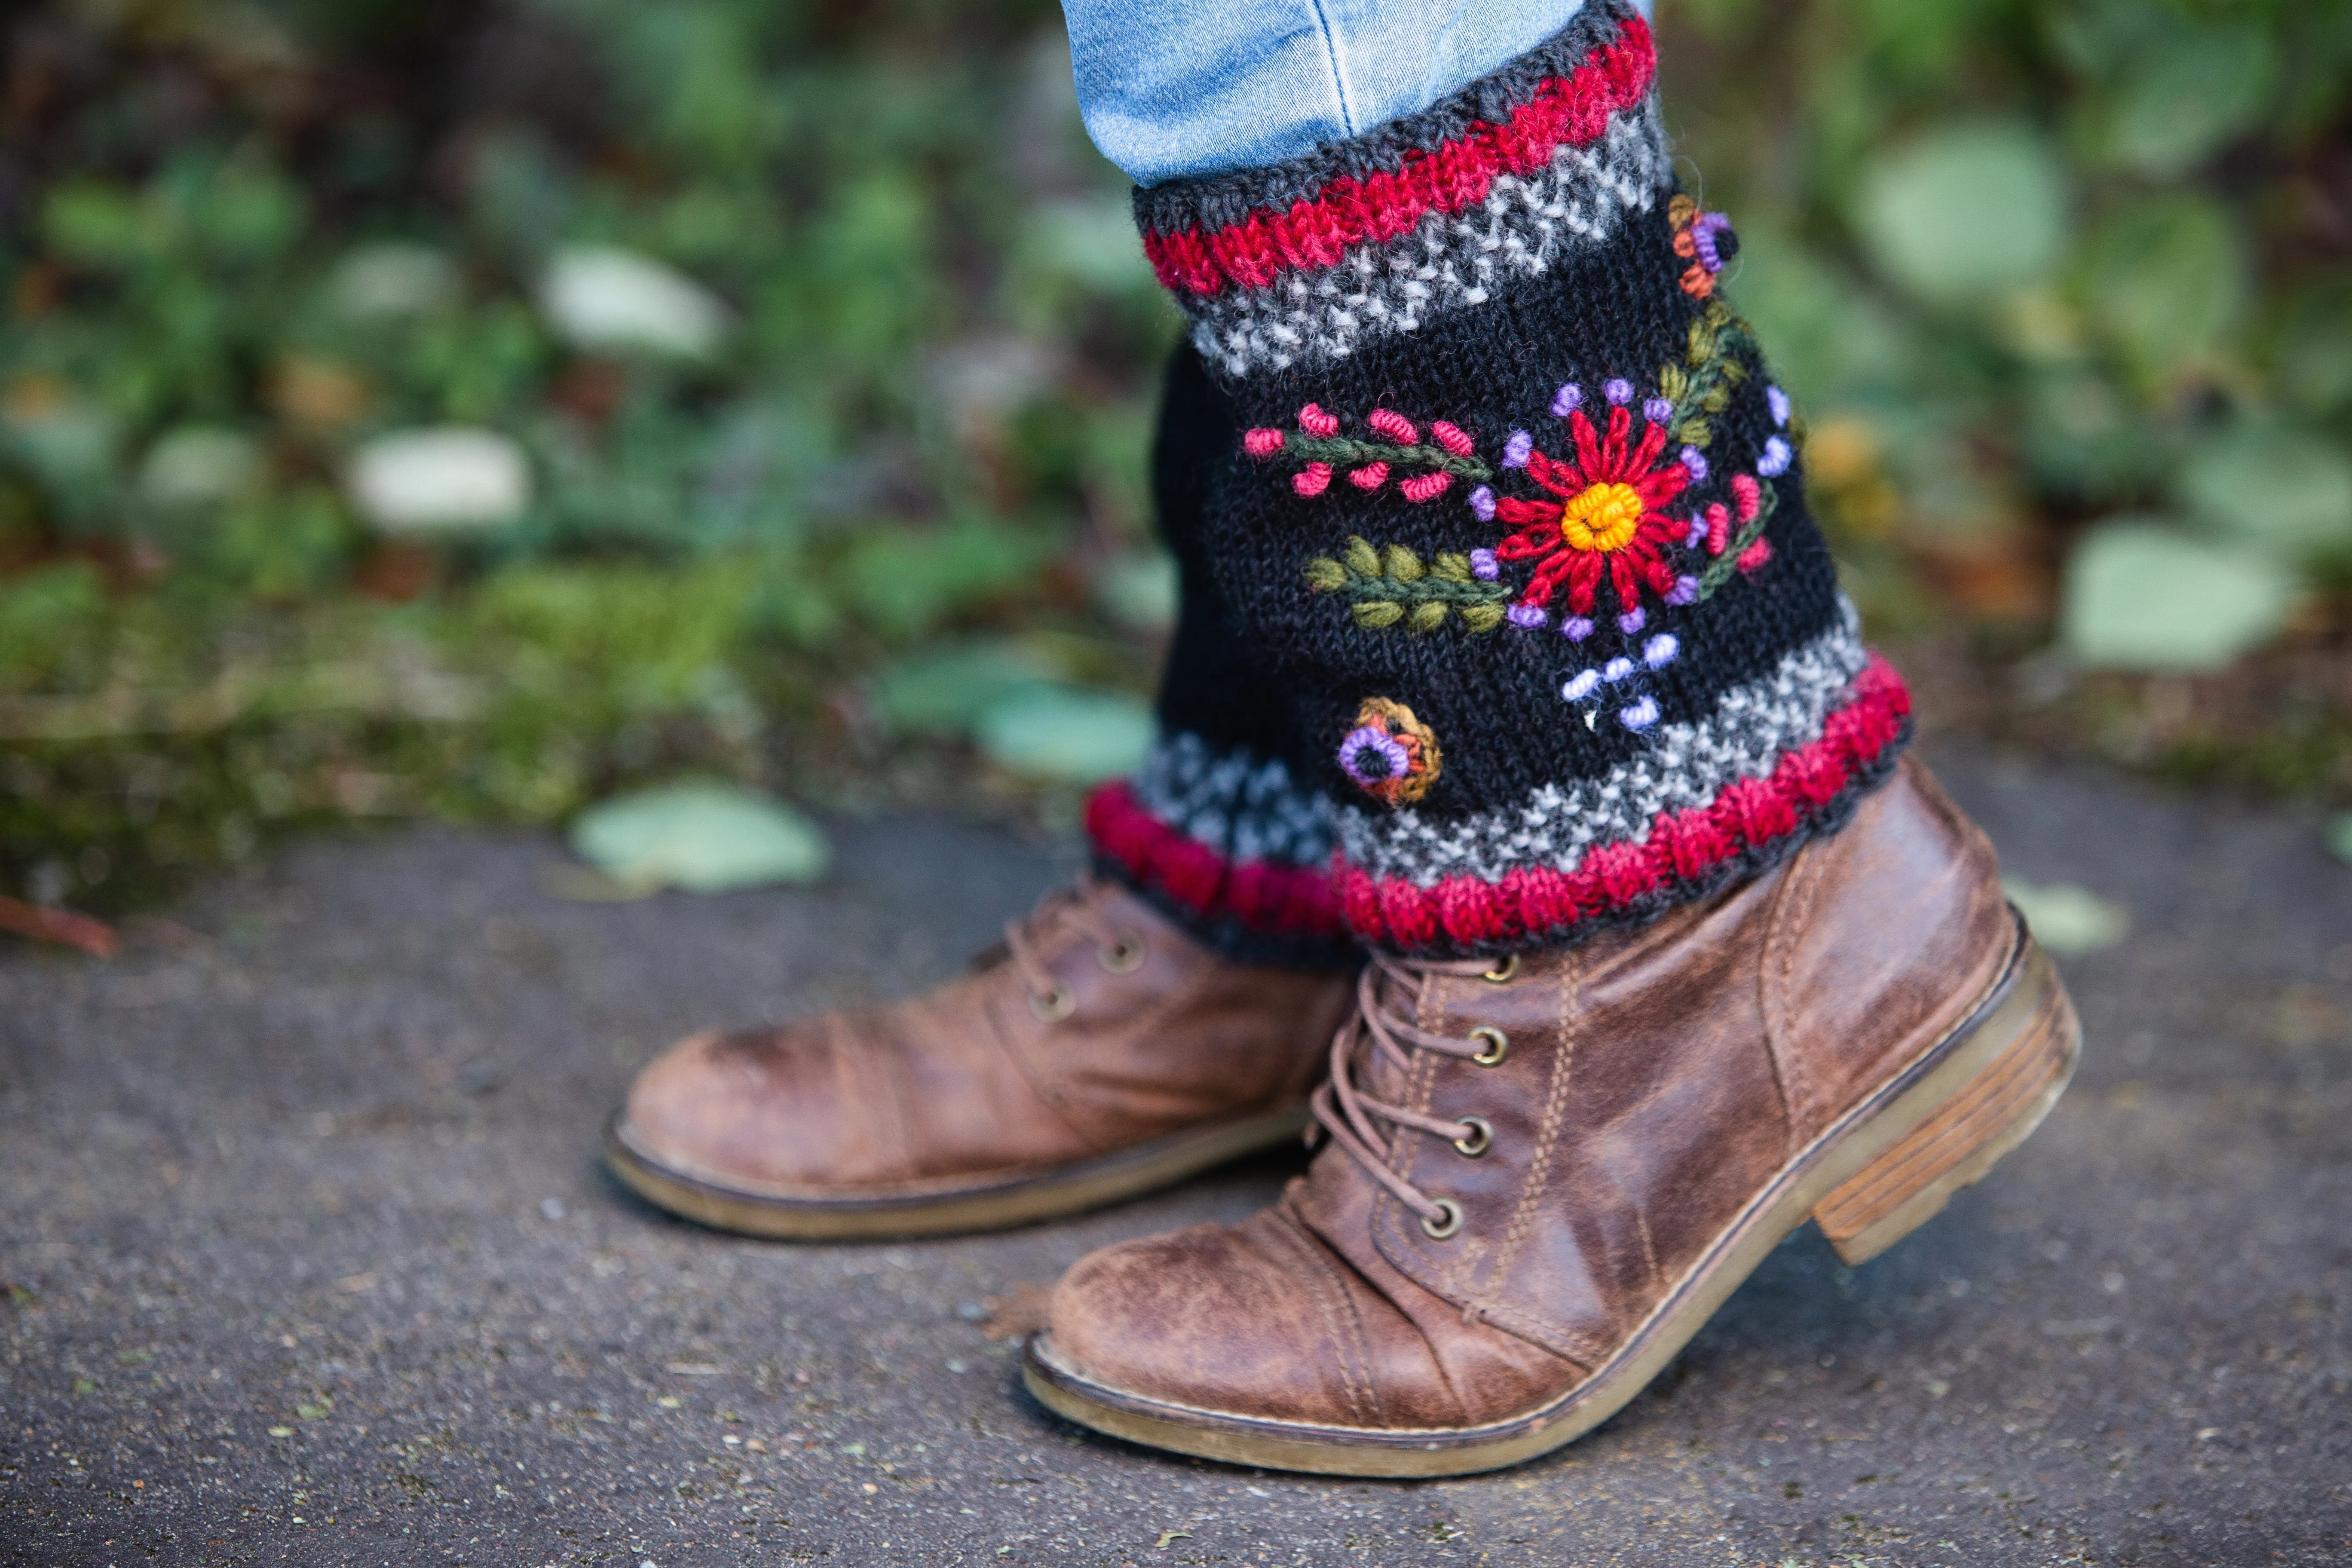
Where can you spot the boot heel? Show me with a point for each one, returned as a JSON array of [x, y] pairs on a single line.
[[1955, 1144]]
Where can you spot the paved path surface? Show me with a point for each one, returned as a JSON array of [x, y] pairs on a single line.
[[308, 1260]]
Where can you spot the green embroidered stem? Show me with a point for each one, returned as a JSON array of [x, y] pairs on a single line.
[[1714, 366], [1342, 453], [1392, 587], [1720, 570]]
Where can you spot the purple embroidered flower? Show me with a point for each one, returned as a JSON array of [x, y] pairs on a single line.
[[1685, 589], [1697, 537], [1776, 458], [1657, 411], [1567, 401], [1526, 616], [1640, 716], [1579, 684], [1633, 620], [1711, 232], [1483, 566], [1617, 669], [1576, 628], [1695, 463], [1660, 650], [1617, 390], [1370, 755], [1516, 449], [1482, 503], [1778, 400]]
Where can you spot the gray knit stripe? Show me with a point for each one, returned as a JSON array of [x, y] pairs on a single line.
[[1243, 806], [1687, 765], [1576, 203]]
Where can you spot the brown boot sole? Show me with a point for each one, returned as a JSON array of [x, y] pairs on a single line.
[[1883, 1171], [1071, 1189]]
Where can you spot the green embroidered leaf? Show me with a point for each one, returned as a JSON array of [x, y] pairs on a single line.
[[1361, 558], [1451, 567], [1428, 617], [1324, 575], [1715, 402], [1695, 432], [1702, 343], [1672, 382], [1374, 614], [1402, 563], [1482, 617]]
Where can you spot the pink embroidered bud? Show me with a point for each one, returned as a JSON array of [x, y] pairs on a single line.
[[1747, 495], [1313, 479], [1755, 557], [1262, 443], [1317, 424], [1453, 437], [1396, 427], [1718, 528], [1425, 486], [1370, 477]]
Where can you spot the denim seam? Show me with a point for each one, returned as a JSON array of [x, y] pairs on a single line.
[[1338, 76]]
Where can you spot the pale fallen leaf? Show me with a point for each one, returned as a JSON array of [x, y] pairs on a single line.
[[2069, 920], [1065, 732], [2339, 835], [703, 838]]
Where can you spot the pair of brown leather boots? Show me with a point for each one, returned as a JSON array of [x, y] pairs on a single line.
[[1537, 1176]]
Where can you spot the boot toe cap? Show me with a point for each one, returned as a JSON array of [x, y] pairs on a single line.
[[757, 1110], [1233, 1321]]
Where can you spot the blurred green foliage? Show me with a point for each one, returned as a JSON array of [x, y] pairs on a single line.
[[826, 353]]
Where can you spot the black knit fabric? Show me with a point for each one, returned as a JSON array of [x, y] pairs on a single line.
[[1730, 654], [1219, 714]]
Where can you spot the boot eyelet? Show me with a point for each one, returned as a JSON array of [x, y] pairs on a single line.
[[1446, 1225], [1054, 1006], [1498, 1045], [1504, 972], [1123, 957], [1481, 1139]]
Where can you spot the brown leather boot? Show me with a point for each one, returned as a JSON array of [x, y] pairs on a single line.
[[1544, 1175], [1102, 1053]]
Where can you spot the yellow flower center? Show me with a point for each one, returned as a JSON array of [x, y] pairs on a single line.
[[1602, 517]]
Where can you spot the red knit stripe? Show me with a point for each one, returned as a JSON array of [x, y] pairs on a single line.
[[1566, 111], [1536, 901], [1264, 897]]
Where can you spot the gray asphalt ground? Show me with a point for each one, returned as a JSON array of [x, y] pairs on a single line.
[[307, 1258]]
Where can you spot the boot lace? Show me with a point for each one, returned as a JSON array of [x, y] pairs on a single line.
[[1350, 1117], [1075, 907]]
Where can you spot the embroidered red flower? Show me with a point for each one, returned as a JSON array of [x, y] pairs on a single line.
[[1606, 522]]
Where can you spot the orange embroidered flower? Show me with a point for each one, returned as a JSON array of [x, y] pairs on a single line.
[[1391, 755], [1703, 239]]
